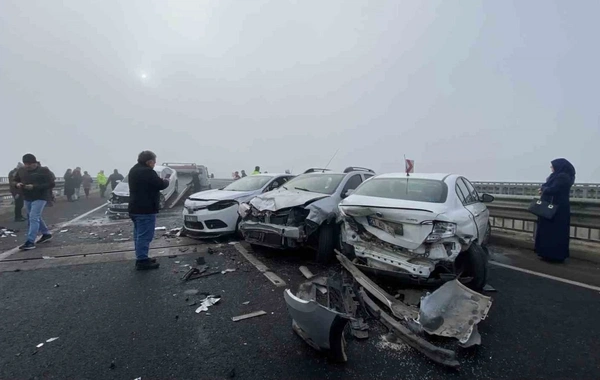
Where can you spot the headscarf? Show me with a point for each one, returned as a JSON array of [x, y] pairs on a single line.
[[562, 166]]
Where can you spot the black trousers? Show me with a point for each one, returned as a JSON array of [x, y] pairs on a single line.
[[19, 202]]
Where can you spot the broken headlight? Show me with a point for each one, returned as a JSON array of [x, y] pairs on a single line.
[[441, 230]]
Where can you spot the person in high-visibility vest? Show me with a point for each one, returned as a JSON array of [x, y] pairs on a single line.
[[102, 182], [256, 170]]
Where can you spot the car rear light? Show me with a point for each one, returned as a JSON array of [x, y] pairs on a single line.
[[221, 205], [441, 230]]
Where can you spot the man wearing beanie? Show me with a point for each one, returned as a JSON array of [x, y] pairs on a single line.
[[36, 183]]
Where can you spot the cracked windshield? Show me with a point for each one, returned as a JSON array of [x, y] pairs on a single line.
[[286, 189]]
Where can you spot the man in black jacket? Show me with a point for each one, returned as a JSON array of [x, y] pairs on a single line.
[[16, 194], [36, 182], [115, 178], [144, 199]]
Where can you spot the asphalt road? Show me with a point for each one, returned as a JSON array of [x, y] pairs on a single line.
[[104, 312]]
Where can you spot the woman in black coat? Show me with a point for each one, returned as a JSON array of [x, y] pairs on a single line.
[[552, 236], [69, 185]]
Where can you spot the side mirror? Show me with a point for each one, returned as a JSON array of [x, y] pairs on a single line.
[[348, 192], [486, 198]]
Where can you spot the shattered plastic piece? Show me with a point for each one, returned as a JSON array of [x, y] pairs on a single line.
[[40, 345], [306, 272], [489, 288], [177, 262], [51, 339], [250, 315], [320, 327], [227, 271], [63, 231], [121, 239], [232, 243], [160, 229], [474, 339], [47, 257], [194, 273], [207, 302], [453, 310], [245, 303]]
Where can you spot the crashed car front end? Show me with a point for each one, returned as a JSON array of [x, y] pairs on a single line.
[[118, 206]]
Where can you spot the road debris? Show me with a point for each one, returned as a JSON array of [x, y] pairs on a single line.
[[177, 262], [229, 270], [245, 303], [194, 273], [160, 229], [200, 260], [56, 286], [210, 251], [191, 292], [249, 315], [184, 249], [39, 345], [51, 339], [207, 302], [306, 272], [63, 231], [173, 233], [121, 239], [7, 232]]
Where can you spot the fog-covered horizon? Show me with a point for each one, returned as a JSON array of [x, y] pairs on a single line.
[[490, 90]]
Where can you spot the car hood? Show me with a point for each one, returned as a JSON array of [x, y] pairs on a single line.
[[282, 198], [122, 189], [218, 195]]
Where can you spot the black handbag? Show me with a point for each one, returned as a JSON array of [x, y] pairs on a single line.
[[543, 209]]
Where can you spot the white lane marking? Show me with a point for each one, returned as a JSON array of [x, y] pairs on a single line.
[[262, 268], [550, 277], [11, 252]]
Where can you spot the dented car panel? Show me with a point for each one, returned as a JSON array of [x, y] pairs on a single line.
[[432, 226], [453, 311]]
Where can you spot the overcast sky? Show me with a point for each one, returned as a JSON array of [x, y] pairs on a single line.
[[493, 90]]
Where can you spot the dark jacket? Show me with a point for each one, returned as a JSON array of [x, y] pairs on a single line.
[[113, 178], [69, 186], [42, 180], [77, 179], [144, 189], [87, 181], [13, 185]]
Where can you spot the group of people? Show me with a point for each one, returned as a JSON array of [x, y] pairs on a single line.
[[236, 175], [31, 184], [74, 181]]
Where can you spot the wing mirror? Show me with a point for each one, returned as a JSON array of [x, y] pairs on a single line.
[[348, 193], [486, 198]]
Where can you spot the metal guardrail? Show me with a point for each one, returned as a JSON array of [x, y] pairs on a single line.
[[509, 212], [579, 190]]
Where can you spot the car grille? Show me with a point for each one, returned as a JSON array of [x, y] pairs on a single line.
[[212, 224], [280, 218], [194, 225]]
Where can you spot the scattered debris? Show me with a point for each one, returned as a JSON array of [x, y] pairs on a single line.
[[56, 286], [489, 288], [160, 229], [207, 302], [121, 239], [232, 243], [209, 250], [191, 292], [227, 270], [306, 272], [51, 339], [7, 232], [177, 262], [245, 303], [184, 249], [200, 260], [173, 233], [249, 315], [453, 310], [63, 231], [112, 365], [47, 257], [194, 273], [40, 345]]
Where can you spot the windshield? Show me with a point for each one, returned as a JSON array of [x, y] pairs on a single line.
[[420, 190], [250, 183], [316, 182]]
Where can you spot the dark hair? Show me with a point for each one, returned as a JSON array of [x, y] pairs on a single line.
[[146, 156]]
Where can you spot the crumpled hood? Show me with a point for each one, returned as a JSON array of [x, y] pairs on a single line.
[[122, 189], [218, 195], [281, 198]]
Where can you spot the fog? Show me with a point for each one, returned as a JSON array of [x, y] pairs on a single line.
[[493, 90]]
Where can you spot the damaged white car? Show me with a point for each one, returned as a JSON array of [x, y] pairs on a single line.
[[428, 228], [303, 212]]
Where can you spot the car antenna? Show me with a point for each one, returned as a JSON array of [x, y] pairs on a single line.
[[332, 157]]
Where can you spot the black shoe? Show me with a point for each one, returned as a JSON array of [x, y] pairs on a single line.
[[146, 264], [45, 238], [20, 219], [27, 246]]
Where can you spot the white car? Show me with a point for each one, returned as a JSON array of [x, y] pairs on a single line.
[[426, 227], [118, 203], [215, 212]]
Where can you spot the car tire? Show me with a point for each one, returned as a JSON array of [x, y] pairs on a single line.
[[327, 243], [473, 263]]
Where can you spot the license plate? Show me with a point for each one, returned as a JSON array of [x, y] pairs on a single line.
[[392, 230], [119, 206], [191, 218]]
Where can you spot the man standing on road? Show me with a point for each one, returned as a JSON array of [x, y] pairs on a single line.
[[16, 194], [114, 178], [37, 183], [144, 199], [102, 182], [256, 170], [87, 181]]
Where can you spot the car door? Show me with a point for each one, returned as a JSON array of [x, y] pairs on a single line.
[[481, 212]]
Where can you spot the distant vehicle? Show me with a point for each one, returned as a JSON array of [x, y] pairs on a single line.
[[192, 169], [303, 212], [426, 227], [119, 200], [215, 212]]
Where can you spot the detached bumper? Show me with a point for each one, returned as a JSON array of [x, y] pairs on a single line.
[[271, 235]]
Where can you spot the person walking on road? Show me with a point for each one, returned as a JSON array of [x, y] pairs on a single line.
[[244, 173], [77, 180], [114, 179], [87, 181], [256, 170], [236, 176], [144, 200], [69, 187], [102, 183], [552, 236], [17, 194], [37, 183]]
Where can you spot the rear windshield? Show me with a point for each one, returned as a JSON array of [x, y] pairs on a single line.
[[410, 189], [316, 183]]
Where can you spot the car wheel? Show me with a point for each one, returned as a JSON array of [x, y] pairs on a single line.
[[161, 202], [473, 263], [327, 243]]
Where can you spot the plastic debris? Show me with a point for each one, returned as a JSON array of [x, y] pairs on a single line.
[[51, 339], [200, 260], [209, 250], [177, 262], [191, 292], [7, 232], [250, 315], [56, 286], [245, 303], [121, 239], [112, 365], [306, 272], [63, 231], [227, 271], [160, 229], [207, 302], [40, 345]]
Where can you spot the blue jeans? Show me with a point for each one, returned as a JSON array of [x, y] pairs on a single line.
[[35, 221], [143, 233]]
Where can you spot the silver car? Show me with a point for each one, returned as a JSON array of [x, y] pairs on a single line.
[[303, 212]]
